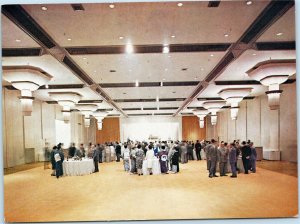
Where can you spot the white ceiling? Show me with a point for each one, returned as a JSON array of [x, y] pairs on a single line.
[[145, 24]]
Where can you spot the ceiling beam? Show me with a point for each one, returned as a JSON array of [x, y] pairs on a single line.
[[271, 13], [24, 21]]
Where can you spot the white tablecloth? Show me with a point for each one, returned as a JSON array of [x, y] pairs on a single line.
[[78, 168], [155, 167]]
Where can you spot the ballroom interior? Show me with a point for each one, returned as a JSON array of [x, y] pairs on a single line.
[[149, 71]]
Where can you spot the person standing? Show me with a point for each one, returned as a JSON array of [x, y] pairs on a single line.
[[198, 150], [163, 159], [184, 153], [212, 156], [205, 149], [133, 160], [59, 159], [82, 150], [95, 157], [190, 151], [246, 153], [52, 159], [72, 149], [126, 158], [47, 156], [233, 160], [253, 157], [223, 158], [149, 157], [139, 159], [118, 151], [175, 160]]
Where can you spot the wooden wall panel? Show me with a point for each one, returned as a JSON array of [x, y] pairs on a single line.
[[110, 130], [191, 130]]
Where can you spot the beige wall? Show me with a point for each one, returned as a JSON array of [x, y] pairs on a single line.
[[21, 132], [256, 120]]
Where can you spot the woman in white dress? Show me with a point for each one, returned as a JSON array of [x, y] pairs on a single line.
[[149, 157]]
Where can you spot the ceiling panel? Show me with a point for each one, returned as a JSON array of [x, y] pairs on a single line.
[[13, 36], [149, 104], [149, 93], [283, 25], [148, 67], [61, 75], [194, 22]]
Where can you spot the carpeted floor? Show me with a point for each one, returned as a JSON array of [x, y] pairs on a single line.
[[34, 196]]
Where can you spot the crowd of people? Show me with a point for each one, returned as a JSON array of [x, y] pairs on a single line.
[[168, 153]]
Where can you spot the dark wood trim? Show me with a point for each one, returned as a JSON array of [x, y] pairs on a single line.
[[273, 46], [21, 52], [213, 4], [149, 49], [246, 82]]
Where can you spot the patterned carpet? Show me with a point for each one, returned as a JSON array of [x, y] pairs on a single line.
[[34, 196]]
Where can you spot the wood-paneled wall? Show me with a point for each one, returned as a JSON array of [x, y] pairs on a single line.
[[110, 130], [191, 130]]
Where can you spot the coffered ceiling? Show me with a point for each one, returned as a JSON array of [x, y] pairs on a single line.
[[85, 51]]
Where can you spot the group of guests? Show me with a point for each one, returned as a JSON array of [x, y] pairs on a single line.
[[225, 153], [169, 154]]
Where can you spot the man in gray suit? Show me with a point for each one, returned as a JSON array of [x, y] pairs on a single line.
[[223, 158], [212, 156]]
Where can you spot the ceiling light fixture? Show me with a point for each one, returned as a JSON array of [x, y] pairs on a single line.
[[213, 107], [121, 37], [211, 55], [18, 40], [173, 36], [84, 58], [166, 69], [249, 2], [166, 49], [69, 39], [253, 54], [111, 6], [226, 35], [180, 4], [136, 83], [279, 34], [129, 49], [44, 8]]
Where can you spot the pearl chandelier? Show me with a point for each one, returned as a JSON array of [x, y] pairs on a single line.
[[234, 96], [87, 111], [213, 107], [100, 115], [27, 79], [66, 100], [272, 73], [201, 114]]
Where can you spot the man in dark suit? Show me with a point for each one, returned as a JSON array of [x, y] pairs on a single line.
[[198, 150], [96, 153], [118, 151], [246, 153]]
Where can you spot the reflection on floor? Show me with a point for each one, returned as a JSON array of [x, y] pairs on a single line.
[[34, 196]]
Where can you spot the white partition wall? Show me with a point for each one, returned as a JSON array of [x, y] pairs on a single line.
[[62, 133], [143, 128]]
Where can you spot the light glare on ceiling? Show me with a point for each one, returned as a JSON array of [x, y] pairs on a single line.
[[111, 6], [136, 83], [44, 8], [279, 34], [179, 4], [249, 2], [166, 50], [129, 48]]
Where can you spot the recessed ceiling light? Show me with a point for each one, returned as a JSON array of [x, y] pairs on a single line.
[[130, 70], [166, 69], [253, 54], [17, 40], [44, 8], [180, 4], [279, 34], [164, 79], [161, 84], [136, 83], [84, 58], [121, 37], [166, 50], [211, 55], [129, 48], [95, 70], [169, 56], [202, 69], [69, 39], [195, 78], [173, 36], [226, 35], [249, 2], [111, 6]]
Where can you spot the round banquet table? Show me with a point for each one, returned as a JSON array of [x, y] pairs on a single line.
[[78, 168], [155, 167]]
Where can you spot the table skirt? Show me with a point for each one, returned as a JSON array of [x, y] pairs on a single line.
[[78, 168]]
